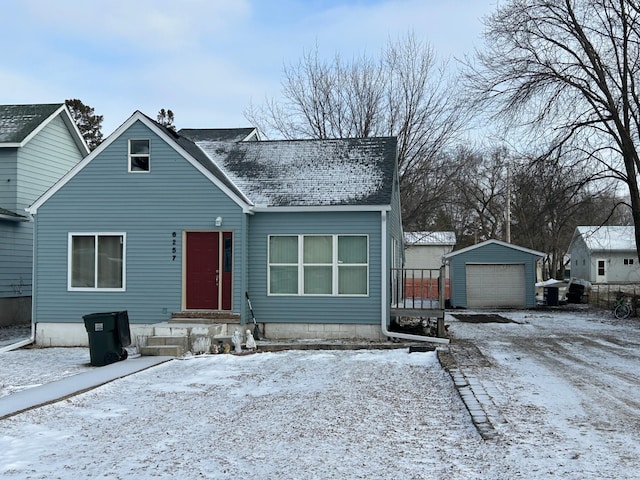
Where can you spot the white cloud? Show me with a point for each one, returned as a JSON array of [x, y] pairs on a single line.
[[143, 24], [204, 59]]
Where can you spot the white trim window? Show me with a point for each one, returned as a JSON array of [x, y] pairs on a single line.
[[326, 265], [139, 156], [96, 262]]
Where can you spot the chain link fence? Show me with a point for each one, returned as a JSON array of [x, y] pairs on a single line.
[[605, 296]]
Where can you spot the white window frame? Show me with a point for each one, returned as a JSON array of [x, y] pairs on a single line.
[[335, 264], [131, 156], [96, 235]]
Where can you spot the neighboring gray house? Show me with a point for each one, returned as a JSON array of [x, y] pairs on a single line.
[[166, 224], [605, 254], [424, 252], [426, 249], [38, 145], [493, 274]]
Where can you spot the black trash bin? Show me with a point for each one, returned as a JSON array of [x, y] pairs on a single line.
[[551, 296], [108, 335]]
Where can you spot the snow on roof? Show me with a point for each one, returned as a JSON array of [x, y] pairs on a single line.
[[604, 238], [430, 238], [217, 134], [18, 121], [308, 172]]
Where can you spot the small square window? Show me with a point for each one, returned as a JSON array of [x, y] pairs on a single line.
[[139, 158]]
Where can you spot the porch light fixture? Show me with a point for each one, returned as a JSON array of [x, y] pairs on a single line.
[[218, 221]]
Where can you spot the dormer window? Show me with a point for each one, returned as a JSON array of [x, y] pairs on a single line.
[[139, 156]]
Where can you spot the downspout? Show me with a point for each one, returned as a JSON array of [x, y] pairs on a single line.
[[385, 298], [32, 338]]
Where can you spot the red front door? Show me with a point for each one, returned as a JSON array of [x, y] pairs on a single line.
[[208, 270]]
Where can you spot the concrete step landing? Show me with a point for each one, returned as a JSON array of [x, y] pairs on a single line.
[[205, 317], [176, 339]]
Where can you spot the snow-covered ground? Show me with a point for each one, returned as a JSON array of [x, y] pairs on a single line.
[[565, 384]]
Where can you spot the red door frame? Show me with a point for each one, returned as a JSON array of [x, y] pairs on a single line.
[[208, 270]]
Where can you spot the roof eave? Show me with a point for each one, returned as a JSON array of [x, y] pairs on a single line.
[[11, 218], [493, 241], [321, 208]]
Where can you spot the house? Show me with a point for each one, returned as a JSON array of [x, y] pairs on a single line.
[[426, 249], [604, 254], [493, 274], [424, 253], [171, 225], [38, 145]]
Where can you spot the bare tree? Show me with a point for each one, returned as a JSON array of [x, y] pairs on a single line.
[[403, 93], [475, 205], [551, 197], [566, 70]]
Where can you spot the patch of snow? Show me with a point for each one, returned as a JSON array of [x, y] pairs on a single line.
[[565, 383]]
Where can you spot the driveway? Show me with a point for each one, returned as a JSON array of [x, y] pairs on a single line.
[[564, 381]]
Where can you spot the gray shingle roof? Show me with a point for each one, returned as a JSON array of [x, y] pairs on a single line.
[[18, 121], [309, 172], [216, 134], [607, 238], [430, 238]]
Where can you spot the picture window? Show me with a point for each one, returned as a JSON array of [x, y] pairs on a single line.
[[96, 261], [331, 265]]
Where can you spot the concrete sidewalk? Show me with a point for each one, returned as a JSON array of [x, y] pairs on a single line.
[[69, 386]]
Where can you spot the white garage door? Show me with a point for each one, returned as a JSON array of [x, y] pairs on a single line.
[[499, 285]]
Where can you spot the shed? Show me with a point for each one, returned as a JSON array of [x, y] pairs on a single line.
[[493, 274]]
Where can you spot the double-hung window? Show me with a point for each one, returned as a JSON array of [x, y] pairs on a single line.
[[96, 261], [139, 157], [319, 265]]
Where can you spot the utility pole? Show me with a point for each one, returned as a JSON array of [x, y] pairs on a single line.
[[508, 225]]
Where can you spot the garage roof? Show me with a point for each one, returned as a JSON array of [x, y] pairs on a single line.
[[496, 242]]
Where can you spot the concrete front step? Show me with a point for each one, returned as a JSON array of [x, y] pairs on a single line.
[[163, 350], [159, 341], [167, 329], [175, 339]]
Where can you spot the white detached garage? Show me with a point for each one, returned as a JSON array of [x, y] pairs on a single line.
[[493, 274]]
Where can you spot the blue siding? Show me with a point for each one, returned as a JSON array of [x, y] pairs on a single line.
[[149, 207], [395, 251], [15, 258], [32, 170], [8, 178], [44, 160], [310, 309], [492, 253]]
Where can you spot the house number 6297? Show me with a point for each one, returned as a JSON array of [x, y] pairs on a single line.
[[173, 246]]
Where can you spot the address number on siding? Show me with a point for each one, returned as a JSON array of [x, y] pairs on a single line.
[[174, 244]]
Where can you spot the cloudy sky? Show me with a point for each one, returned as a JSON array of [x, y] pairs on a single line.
[[204, 59]]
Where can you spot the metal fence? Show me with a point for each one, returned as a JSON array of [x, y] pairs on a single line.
[[418, 288], [605, 296]]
